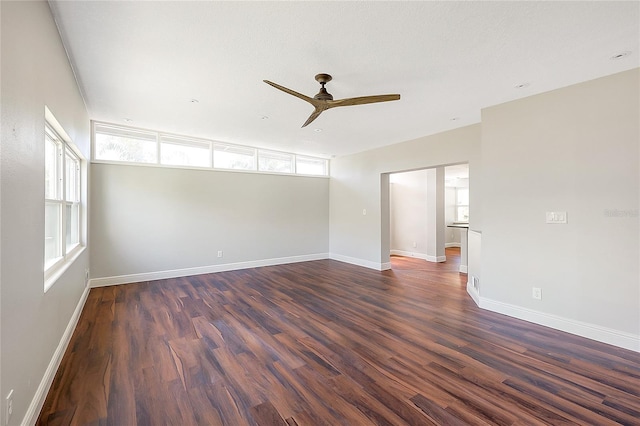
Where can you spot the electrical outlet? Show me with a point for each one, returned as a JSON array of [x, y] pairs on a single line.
[[415, 244], [8, 407], [364, 212], [475, 282], [537, 293], [219, 253], [86, 275]]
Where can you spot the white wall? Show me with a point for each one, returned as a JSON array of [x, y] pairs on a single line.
[[409, 212], [435, 216], [35, 73], [576, 150], [153, 219], [360, 181]]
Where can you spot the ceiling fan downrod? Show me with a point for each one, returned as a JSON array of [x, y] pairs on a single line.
[[323, 95]]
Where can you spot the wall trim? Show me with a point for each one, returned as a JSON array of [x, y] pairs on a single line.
[[463, 269], [473, 293], [448, 245], [361, 262], [185, 272], [590, 331], [418, 255], [37, 402]]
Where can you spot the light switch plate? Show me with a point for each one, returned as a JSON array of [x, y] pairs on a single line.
[[556, 217]]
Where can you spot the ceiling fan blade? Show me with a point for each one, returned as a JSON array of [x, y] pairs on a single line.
[[313, 116], [312, 101], [362, 100]]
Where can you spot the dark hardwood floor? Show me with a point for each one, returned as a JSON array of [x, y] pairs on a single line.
[[327, 343]]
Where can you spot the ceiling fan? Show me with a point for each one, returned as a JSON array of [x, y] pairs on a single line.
[[324, 100]]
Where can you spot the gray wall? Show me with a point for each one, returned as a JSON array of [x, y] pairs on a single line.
[[417, 204], [409, 211], [35, 73], [360, 181], [150, 219], [574, 150]]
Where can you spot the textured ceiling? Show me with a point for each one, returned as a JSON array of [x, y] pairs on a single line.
[[147, 60]]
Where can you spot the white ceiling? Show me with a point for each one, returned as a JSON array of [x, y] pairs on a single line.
[[146, 61]]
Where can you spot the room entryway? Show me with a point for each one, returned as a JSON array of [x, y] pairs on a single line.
[[406, 263], [428, 213]]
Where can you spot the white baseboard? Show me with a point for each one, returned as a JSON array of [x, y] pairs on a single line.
[[590, 331], [37, 402], [449, 245], [462, 269], [361, 262], [473, 293], [418, 255], [185, 272]]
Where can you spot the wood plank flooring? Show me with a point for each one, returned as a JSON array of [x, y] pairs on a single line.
[[327, 343]]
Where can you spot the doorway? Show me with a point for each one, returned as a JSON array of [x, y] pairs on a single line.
[[427, 215]]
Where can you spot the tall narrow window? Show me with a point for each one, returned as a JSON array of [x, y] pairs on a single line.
[[462, 204], [62, 200], [53, 199], [72, 200]]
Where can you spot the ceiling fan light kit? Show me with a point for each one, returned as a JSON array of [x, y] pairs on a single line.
[[323, 100]]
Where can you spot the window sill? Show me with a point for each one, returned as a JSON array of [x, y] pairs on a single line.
[[59, 270]]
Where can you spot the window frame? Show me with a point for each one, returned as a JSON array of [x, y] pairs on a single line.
[[213, 147], [73, 203], [309, 158], [459, 205], [253, 166], [129, 134], [165, 138], [65, 151], [273, 155]]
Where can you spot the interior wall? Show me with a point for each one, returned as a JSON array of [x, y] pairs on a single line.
[[573, 150], [409, 212], [358, 184], [35, 72], [435, 216], [151, 219]]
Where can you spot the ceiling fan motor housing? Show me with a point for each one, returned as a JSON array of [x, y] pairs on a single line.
[[323, 95]]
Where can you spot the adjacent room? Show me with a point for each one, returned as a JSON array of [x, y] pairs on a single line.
[[303, 213]]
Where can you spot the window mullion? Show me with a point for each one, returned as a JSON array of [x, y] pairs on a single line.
[[158, 149], [213, 155]]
